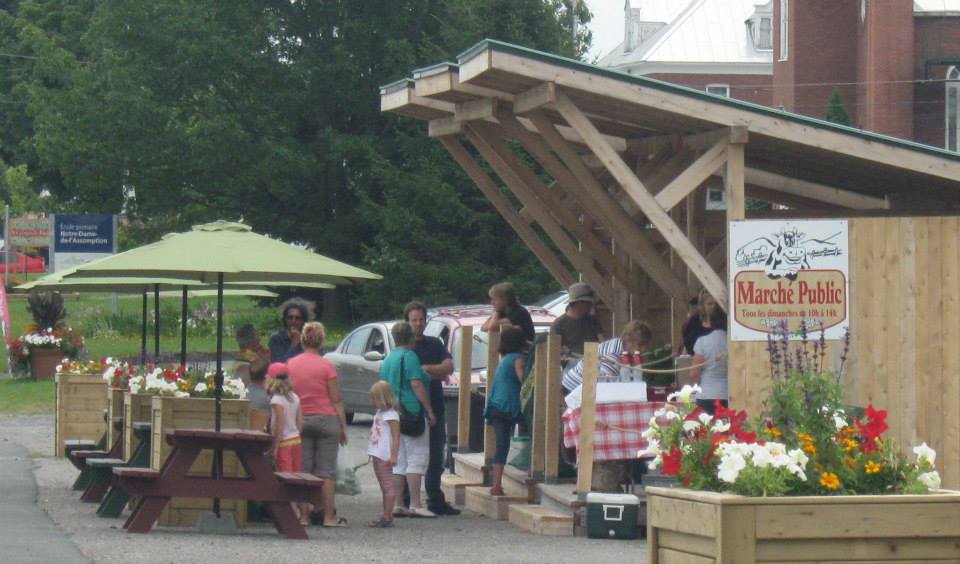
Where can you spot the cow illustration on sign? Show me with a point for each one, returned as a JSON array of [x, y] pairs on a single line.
[[785, 253]]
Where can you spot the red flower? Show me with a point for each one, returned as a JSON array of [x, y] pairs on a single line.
[[870, 431], [671, 462], [737, 419]]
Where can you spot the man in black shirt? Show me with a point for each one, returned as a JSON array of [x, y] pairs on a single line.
[[438, 364], [508, 311]]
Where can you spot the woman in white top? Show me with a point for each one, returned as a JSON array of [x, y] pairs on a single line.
[[710, 362]]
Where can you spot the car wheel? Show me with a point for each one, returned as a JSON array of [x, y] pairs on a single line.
[[349, 417]]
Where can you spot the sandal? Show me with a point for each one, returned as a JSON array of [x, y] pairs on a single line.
[[401, 511], [381, 523], [341, 522]]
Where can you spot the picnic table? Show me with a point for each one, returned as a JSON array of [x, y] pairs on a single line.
[[276, 490], [116, 499], [610, 441]]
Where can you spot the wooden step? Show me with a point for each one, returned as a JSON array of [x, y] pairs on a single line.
[[541, 520], [479, 500], [454, 486], [559, 498], [469, 466]]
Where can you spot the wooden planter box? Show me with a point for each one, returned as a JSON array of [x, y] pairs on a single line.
[[697, 527], [179, 413], [80, 401], [44, 361], [137, 408], [114, 412]]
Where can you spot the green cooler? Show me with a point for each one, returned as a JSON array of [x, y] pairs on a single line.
[[612, 516]]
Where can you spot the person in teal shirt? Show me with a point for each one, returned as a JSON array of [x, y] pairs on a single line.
[[410, 387], [503, 407]]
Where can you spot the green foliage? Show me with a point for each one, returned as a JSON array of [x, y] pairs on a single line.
[[47, 309], [835, 109], [181, 112], [24, 396]]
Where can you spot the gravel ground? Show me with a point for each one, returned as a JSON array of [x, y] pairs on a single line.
[[465, 538]]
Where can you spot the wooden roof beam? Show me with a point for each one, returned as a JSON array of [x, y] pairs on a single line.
[[502, 204], [814, 190], [400, 98], [648, 204]]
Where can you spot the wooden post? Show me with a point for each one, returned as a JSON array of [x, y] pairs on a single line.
[[588, 414], [552, 434], [734, 174], [463, 400], [537, 452], [493, 359]]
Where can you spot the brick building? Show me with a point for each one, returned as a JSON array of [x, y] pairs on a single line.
[[896, 63]]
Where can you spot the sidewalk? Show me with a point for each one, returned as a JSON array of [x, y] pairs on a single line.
[[26, 533]]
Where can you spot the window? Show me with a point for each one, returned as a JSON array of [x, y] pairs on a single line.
[[376, 342], [952, 99], [760, 27], [439, 330], [356, 341], [719, 89], [784, 29]]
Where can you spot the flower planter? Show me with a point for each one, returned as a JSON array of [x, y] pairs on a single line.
[[179, 413], [44, 361], [136, 409], [80, 401], [706, 527]]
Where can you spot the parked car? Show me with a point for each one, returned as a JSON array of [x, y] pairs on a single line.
[[358, 356], [555, 303], [19, 263]]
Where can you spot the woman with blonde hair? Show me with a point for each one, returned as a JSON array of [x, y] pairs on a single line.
[[314, 380]]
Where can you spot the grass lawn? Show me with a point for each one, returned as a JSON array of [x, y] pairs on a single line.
[[23, 396], [120, 335]]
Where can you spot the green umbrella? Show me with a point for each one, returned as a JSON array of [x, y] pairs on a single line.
[[225, 252]]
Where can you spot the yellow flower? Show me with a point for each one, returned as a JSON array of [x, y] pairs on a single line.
[[872, 467], [849, 462], [830, 481], [805, 438], [849, 445], [810, 449]]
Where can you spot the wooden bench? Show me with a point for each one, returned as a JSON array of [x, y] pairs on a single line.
[[116, 499], [79, 459], [276, 490]]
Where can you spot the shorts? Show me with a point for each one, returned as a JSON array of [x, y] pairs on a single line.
[[289, 455], [384, 472], [414, 455], [321, 440]]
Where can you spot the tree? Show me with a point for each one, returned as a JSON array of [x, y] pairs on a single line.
[[268, 111], [836, 113]]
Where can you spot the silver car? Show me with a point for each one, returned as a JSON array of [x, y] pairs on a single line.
[[357, 359]]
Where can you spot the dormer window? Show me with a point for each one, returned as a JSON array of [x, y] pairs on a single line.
[[760, 27]]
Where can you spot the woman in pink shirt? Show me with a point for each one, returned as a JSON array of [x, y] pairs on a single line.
[[314, 380]]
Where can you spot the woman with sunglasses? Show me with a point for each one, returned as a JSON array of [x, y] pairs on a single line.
[[285, 343]]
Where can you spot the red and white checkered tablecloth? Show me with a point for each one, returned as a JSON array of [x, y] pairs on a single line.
[[613, 444]]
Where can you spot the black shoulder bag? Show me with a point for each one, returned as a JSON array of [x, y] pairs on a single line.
[[411, 425]]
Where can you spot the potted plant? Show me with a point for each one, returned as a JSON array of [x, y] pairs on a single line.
[[806, 481], [47, 340]]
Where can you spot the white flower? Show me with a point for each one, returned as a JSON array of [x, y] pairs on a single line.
[[653, 449], [200, 387], [731, 463], [925, 454], [684, 394], [721, 426], [655, 463], [650, 433], [180, 394], [109, 372], [671, 415], [930, 479], [705, 419], [761, 456], [839, 421], [690, 426]]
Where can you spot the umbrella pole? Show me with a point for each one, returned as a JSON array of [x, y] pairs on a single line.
[[218, 380], [156, 323], [143, 334], [183, 328]]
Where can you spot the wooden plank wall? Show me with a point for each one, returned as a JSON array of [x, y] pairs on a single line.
[[905, 326]]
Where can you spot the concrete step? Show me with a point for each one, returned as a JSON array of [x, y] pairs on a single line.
[[453, 487], [541, 520], [480, 501]]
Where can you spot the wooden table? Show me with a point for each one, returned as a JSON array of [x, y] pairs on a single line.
[[116, 499], [276, 490]]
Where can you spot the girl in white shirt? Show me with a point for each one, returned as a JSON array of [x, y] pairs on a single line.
[[286, 422], [384, 447]]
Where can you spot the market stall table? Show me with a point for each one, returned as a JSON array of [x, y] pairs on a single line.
[[276, 490], [611, 441]]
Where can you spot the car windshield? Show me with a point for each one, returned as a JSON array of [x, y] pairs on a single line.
[[478, 354]]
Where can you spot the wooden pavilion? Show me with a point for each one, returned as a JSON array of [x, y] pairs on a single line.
[[617, 196]]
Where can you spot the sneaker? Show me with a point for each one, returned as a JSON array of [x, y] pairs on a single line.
[[381, 523], [401, 511], [445, 509], [421, 512]]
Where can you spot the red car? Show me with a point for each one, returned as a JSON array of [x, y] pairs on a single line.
[[19, 263]]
